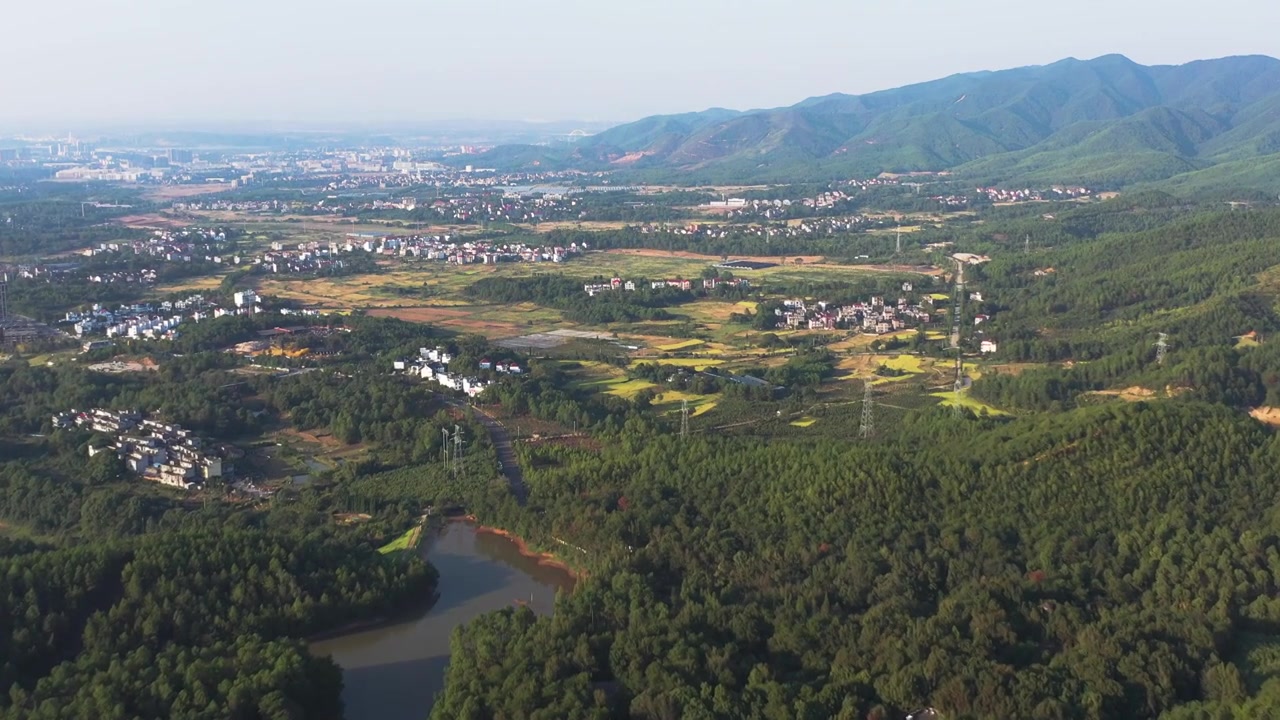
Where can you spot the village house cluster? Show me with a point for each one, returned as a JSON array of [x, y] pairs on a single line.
[[320, 257], [1057, 192], [149, 321], [826, 202], [156, 451], [807, 228], [875, 316], [618, 284], [433, 364], [171, 245]]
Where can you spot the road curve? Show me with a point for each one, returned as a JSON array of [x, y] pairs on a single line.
[[501, 440]]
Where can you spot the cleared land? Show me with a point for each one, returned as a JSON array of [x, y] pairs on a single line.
[[178, 192], [407, 541]]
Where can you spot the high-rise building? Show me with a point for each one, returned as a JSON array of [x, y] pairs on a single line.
[[180, 157]]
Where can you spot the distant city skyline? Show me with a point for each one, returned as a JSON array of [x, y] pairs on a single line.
[[77, 65]]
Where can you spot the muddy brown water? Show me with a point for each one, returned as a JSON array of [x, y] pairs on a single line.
[[394, 672]]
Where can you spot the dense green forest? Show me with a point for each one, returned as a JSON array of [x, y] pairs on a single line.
[[1110, 562], [1079, 558], [189, 623], [46, 219], [1084, 559], [1095, 319], [139, 601]]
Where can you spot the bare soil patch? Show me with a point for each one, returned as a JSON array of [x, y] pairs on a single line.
[[649, 252], [176, 192], [433, 313], [1130, 394], [1267, 415], [150, 220]]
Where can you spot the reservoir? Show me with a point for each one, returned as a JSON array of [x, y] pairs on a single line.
[[393, 672]]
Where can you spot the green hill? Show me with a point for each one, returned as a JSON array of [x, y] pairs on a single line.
[[1104, 122]]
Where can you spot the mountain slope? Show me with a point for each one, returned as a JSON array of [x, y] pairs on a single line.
[[1105, 121]]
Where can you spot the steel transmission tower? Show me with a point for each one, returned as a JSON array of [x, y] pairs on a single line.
[[457, 449], [444, 447], [1162, 348], [684, 419], [867, 428], [956, 407]]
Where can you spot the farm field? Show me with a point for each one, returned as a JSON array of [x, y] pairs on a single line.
[[701, 337], [195, 285]]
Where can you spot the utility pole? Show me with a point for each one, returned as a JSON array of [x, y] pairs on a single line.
[[684, 419], [898, 246], [867, 428], [457, 449], [444, 447], [4, 298], [1026, 246], [959, 384], [958, 311], [1162, 348]]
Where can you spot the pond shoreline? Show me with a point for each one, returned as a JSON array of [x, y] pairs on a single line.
[[546, 559], [394, 667]]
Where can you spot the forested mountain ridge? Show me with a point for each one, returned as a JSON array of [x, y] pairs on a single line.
[[1105, 121]]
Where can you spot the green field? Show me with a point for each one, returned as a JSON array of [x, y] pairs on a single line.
[[407, 541]]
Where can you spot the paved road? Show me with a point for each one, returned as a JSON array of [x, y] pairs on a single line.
[[501, 440]]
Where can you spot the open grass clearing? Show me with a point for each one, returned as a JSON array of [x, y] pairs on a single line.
[[407, 541], [965, 400]]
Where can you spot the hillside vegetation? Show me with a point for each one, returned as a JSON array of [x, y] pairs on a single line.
[[1102, 122]]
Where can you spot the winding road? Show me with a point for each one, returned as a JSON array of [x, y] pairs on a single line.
[[501, 440]]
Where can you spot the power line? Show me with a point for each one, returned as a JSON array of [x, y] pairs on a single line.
[[867, 428]]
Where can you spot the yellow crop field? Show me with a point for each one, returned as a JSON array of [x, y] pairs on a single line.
[[698, 404], [695, 363], [622, 387], [906, 363], [682, 345]]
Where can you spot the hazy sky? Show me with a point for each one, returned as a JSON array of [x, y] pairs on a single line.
[[77, 63]]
